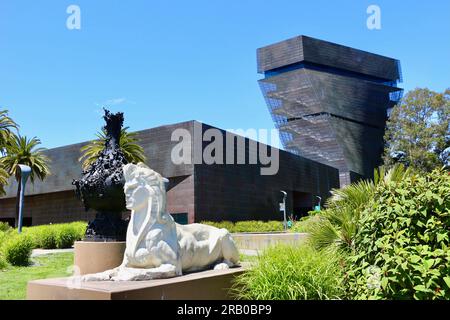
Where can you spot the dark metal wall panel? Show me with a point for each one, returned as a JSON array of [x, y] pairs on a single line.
[[362, 145], [307, 49], [240, 192], [280, 54], [158, 147], [346, 58], [180, 196], [55, 207], [216, 192]]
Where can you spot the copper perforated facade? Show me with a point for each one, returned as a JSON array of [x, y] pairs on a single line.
[[330, 102]]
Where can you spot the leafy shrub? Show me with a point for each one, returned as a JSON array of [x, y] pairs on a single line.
[[402, 250], [4, 226], [287, 272], [305, 224], [45, 236], [3, 236], [3, 262], [17, 250], [339, 223], [80, 228], [66, 235]]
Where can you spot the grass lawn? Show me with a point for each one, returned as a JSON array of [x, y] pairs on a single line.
[[13, 280]]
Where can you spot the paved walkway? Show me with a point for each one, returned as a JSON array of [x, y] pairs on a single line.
[[248, 252], [43, 252]]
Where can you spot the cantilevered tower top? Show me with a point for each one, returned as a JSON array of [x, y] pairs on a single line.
[[330, 101], [310, 50]]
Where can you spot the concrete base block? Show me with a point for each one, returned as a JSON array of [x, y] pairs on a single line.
[[261, 241], [94, 257], [206, 285]]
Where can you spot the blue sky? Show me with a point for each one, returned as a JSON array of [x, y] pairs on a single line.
[[163, 62]]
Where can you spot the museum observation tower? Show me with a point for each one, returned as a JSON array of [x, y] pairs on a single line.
[[330, 102]]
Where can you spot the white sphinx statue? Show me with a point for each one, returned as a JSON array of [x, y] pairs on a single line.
[[156, 246]]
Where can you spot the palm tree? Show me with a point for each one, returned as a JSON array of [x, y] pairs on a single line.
[[133, 152], [6, 124], [4, 177], [21, 150], [339, 223]]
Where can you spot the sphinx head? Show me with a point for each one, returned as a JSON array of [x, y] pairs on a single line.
[[141, 184]]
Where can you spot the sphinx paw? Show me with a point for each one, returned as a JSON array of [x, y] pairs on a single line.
[[221, 266]]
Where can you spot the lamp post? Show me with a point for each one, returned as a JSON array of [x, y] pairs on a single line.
[[283, 208], [318, 207], [25, 172]]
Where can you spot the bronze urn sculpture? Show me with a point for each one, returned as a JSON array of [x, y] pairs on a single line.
[[101, 186]]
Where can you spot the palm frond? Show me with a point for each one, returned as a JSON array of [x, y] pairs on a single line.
[[6, 126], [352, 195], [324, 234], [22, 150], [396, 173], [344, 208], [4, 177], [132, 151]]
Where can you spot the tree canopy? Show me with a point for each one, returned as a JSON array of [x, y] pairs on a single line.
[[418, 130], [21, 150]]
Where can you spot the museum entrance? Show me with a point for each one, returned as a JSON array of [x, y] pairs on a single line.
[[302, 203], [26, 222]]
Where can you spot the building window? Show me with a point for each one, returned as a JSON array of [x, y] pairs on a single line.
[[180, 218]]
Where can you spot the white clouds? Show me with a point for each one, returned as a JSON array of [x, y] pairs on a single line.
[[116, 101], [111, 103]]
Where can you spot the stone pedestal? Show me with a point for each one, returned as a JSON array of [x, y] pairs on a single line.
[[206, 285], [94, 257]]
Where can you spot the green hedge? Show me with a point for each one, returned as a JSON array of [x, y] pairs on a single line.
[[3, 236], [44, 236], [248, 226], [4, 226], [56, 236], [66, 236], [305, 224], [285, 272], [3, 262], [17, 250]]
